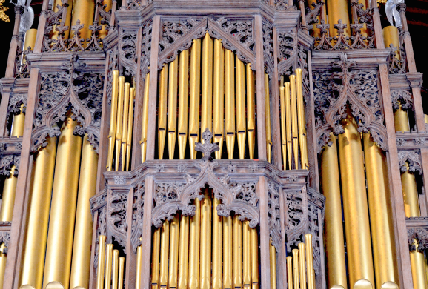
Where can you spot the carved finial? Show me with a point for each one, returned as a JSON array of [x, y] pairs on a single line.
[[207, 148]]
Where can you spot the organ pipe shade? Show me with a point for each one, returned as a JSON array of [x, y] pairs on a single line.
[[63, 207], [38, 216]]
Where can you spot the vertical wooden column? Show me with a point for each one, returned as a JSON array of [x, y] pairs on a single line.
[[41, 28], [17, 233], [3, 112], [130, 273], [282, 254], [147, 236], [154, 51], [403, 254], [276, 132], [260, 92], [262, 193], [14, 44]]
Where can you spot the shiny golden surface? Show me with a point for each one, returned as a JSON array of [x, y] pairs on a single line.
[[272, 257], [30, 38], [301, 121], [229, 100], [83, 10], [390, 37], [194, 84], [113, 115], [101, 261], [237, 252], [357, 230], [217, 248], [302, 265], [63, 207], [57, 3], [109, 262], [115, 269], [162, 107], [241, 129], [130, 125], [296, 282], [251, 111], [268, 120], [138, 267], [338, 9], [418, 263], [183, 254], [207, 83], [290, 279], [3, 258], [122, 272], [294, 127], [334, 240], [410, 193], [183, 106], [205, 253], [8, 197], [227, 252], [18, 124], [283, 125], [254, 259], [145, 118], [155, 258], [119, 120], [163, 276], [382, 227], [195, 226], [125, 125], [83, 228], [172, 107], [246, 254], [401, 119], [218, 96], [288, 124], [174, 230], [310, 261]]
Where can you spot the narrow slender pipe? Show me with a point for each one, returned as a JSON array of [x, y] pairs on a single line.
[[183, 106], [227, 252], [254, 259], [296, 282], [3, 259], [268, 120], [163, 276], [294, 129], [156, 258], [115, 269], [207, 83], [83, 10], [272, 256], [290, 272], [401, 119], [417, 262], [125, 125], [172, 107], [80, 268], [30, 38], [145, 118], [119, 121], [302, 265], [237, 252], [109, 261], [241, 128], [130, 125], [391, 36], [334, 240], [138, 267], [410, 193], [382, 228], [338, 10], [246, 252], [162, 109], [218, 96], [174, 230], [121, 272], [288, 124], [183, 255], [63, 207], [101, 261], [251, 111], [310, 261], [205, 261], [303, 144], [217, 248], [18, 123], [113, 112], [283, 128], [8, 197], [195, 227], [195, 78], [229, 100]]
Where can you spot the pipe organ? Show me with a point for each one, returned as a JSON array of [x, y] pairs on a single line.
[[253, 144]]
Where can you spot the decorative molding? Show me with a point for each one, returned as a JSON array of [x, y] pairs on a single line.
[[287, 50], [418, 239], [410, 161], [267, 29], [7, 162], [403, 97]]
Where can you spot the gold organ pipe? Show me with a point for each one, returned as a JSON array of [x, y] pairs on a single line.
[[195, 227], [283, 125], [109, 261], [83, 10], [302, 265], [288, 124], [410, 193], [130, 125], [138, 267], [272, 255], [418, 263], [18, 123], [83, 228], [335, 244], [163, 278], [290, 272], [338, 9], [119, 119], [295, 133], [195, 74], [145, 118], [115, 268], [30, 38], [63, 207], [309, 261], [38, 216], [121, 272], [218, 96], [172, 107], [237, 252], [217, 248], [174, 230], [246, 252], [207, 83], [8, 198], [357, 230], [296, 279], [101, 261], [155, 258], [254, 259], [3, 258], [241, 129], [401, 119], [183, 255], [125, 124], [113, 112], [229, 96], [301, 120], [183, 105], [390, 36], [205, 262], [227, 252], [382, 227], [163, 99], [268, 120], [251, 112]]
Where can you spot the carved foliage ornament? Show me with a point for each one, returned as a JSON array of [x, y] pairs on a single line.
[[335, 90], [274, 219], [267, 30], [116, 216], [71, 89], [137, 215], [410, 161], [7, 162], [5, 239], [402, 97], [418, 239], [287, 50]]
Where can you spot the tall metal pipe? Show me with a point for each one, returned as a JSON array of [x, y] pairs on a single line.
[[229, 96], [217, 248], [183, 106], [113, 116], [83, 10], [268, 120], [172, 107], [162, 107], [205, 253], [227, 252], [251, 111], [119, 120], [125, 126], [237, 252], [195, 229], [155, 258], [195, 79], [218, 96], [241, 129], [183, 254], [101, 261], [207, 83], [338, 10], [174, 230], [163, 275]]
